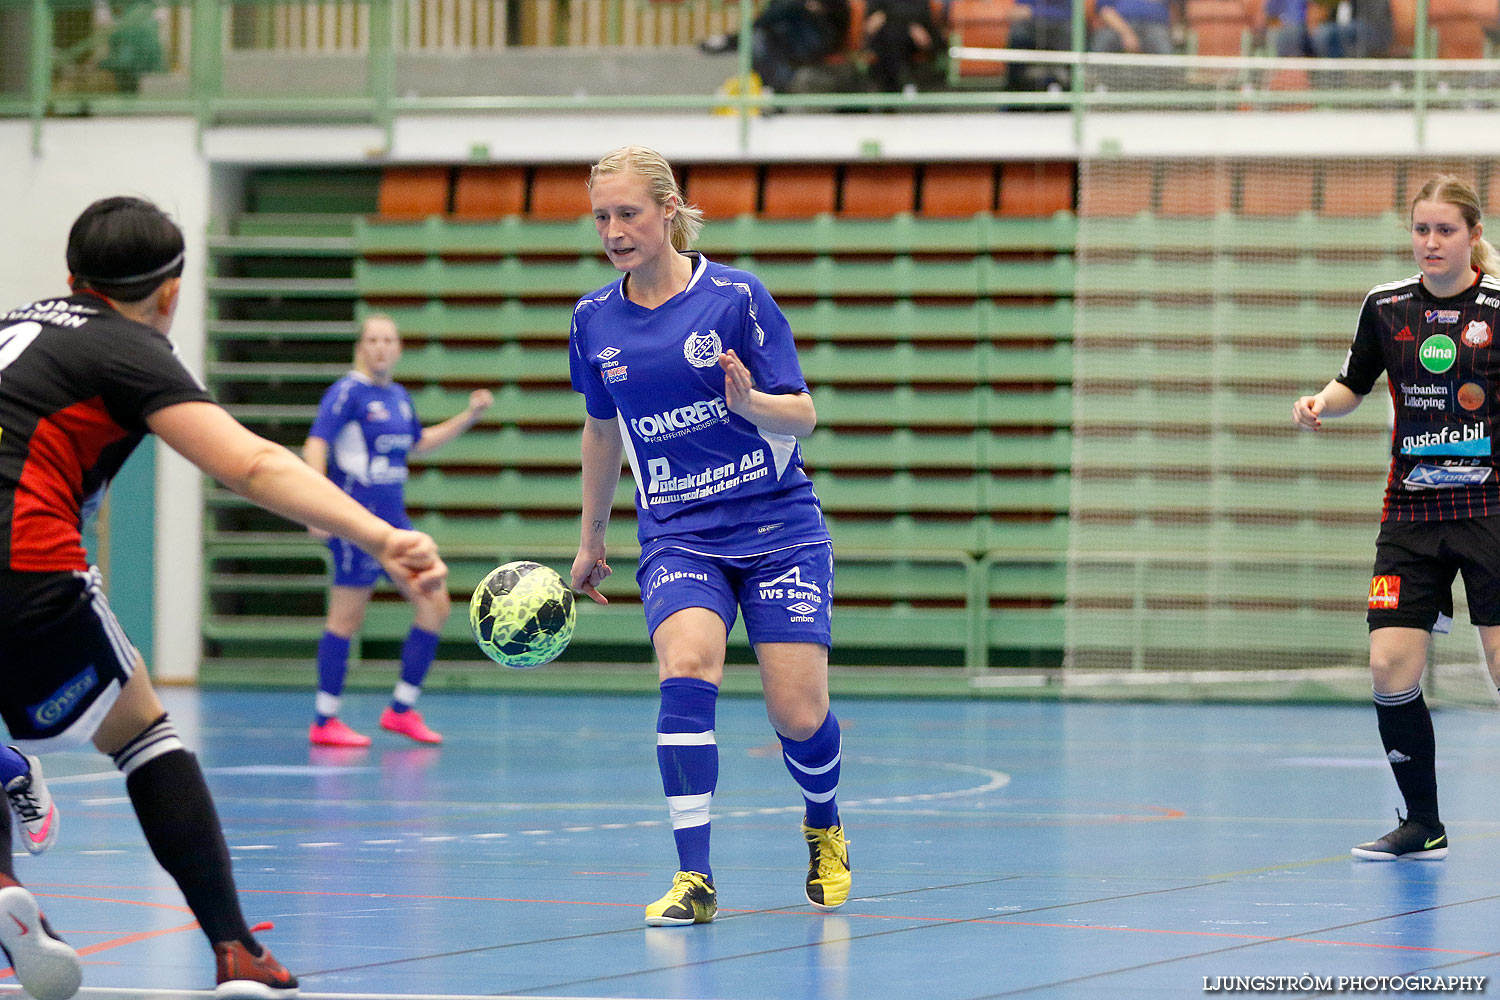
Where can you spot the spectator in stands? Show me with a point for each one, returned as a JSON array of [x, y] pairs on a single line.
[[1040, 24], [1358, 29], [790, 35], [903, 38], [1431, 336], [364, 430], [1133, 26], [693, 366], [1283, 25], [87, 377]]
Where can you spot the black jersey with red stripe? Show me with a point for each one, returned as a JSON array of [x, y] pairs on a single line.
[[1443, 371], [77, 381]]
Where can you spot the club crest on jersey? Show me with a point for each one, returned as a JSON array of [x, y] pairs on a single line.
[[1477, 334], [375, 411], [702, 350]]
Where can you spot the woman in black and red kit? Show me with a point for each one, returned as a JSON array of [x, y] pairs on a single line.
[[83, 379], [1433, 336]]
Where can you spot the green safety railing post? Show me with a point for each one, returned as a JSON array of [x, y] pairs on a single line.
[[747, 25], [1420, 45], [41, 70], [207, 72], [383, 66]]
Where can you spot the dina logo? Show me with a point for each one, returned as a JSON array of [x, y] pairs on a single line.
[[1438, 353]]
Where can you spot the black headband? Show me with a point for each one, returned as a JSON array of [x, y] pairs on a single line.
[[134, 279]]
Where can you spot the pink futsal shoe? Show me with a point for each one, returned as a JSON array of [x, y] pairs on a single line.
[[409, 723], [334, 733], [33, 806], [244, 975], [45, 966]]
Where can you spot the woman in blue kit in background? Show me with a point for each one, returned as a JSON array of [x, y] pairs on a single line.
[[689, 368], [365, 429]]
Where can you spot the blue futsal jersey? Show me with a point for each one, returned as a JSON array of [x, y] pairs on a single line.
[[707, 480], [369, 429]]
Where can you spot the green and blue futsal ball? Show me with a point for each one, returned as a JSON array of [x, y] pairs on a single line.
[[522, 614]]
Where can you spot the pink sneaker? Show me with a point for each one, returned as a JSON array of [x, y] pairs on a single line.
[[334, 733], [408, 723]]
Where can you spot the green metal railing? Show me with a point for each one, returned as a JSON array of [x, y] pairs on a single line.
[[1416, 86]]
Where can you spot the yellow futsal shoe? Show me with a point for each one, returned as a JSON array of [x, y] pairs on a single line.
[[828, 878], [691, 900]]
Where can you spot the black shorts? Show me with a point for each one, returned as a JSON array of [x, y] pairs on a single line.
[[63, 658], [1415, 563]]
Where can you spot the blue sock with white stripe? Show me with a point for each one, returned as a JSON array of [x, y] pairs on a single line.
[[333, 664], [416, 658], [688, 757], [814, 765]]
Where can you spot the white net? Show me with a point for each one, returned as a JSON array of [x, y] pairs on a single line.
[[1209, 538]]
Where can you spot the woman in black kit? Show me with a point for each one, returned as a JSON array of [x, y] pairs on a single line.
[[83, 379], [1433, 335]]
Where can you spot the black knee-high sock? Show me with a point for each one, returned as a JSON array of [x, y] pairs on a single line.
[[177, 814], [1406, 731]]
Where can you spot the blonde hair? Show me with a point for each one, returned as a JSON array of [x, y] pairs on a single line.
[[661, 184], [364, 326], [1453, 191]]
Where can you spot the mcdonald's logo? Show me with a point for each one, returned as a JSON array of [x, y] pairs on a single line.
[[1385, 592]]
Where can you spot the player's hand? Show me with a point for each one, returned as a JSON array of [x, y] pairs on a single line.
[[590, 570], [1305, 413], [480, 400], [411, 560], [319, 534], [737, 383]]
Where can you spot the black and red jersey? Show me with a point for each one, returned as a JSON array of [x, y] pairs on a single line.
[[77, 381], [1440, 357]]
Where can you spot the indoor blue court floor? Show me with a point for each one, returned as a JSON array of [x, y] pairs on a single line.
[[1000, 848]]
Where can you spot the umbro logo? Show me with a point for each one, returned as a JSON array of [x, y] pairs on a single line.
[[609, 352]]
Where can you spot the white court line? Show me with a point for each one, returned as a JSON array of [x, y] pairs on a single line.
[[128, 993]]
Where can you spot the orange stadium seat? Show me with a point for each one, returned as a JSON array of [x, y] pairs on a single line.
[[1272, 189], [413, 192], [723, 190], [1036, 188], [1194, 189], [798, 190], [1218, 26], [878, 190], [981, 24], [1460, 25], [559, 193], [1112, 190], [489, 192], [1359, 189], [952, 190]]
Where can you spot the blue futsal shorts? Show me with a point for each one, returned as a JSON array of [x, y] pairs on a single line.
[[352, 565], [786, 595]]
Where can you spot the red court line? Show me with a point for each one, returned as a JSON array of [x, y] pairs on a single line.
[[94, 949]]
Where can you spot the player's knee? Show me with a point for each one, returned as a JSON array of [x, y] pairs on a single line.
[[799, 722]]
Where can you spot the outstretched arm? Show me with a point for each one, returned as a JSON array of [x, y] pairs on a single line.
[[437, 435], [274, 478]]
